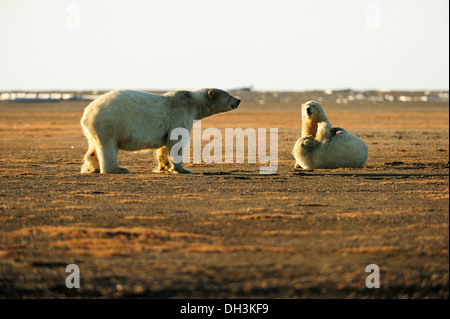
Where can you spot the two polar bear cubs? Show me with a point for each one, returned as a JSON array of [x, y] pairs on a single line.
[[134, 120], [324, 146]]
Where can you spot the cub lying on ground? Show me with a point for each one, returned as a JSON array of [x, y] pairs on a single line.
[[134, 120], [322, 146]]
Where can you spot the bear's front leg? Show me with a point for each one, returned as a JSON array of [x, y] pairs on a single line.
[[164, 164], [176, 153], [179, 169]]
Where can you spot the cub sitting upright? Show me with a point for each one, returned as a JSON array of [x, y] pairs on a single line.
[[134, 120], [324, 146]]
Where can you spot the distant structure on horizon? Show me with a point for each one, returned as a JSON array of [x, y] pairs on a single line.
[[44, 96], [341, 96]]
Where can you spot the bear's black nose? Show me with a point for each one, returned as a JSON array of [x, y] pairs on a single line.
[[308, 111], [236, 104]]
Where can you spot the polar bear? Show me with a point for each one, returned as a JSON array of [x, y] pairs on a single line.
[[322, 146], [134, 120], [312, 114]]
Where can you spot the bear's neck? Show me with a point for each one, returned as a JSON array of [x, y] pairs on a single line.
[[309, 126], [202, 112]]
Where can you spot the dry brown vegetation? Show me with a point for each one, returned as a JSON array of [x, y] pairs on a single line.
[[228, 231]]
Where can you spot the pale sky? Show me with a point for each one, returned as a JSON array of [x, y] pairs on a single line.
[[288, 45]]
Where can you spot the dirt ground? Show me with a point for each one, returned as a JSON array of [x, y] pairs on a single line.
[[228, 231]]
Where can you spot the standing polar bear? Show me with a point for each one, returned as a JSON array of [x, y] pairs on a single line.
[[322, 146], [134, 120]]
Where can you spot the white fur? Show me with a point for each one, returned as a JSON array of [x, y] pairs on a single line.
[[322, 146], [134, 120], [312, 114]]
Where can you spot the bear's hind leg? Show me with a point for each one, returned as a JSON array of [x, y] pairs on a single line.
[[91, 163], [107, 155]]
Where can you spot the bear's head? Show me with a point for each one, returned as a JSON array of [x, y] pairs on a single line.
[[312, 113], [212, 101], [222, 101]]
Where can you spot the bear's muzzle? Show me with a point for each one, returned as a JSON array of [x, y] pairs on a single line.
[[235, 104]]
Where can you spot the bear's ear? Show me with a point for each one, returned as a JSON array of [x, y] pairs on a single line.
[[211, 94]]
